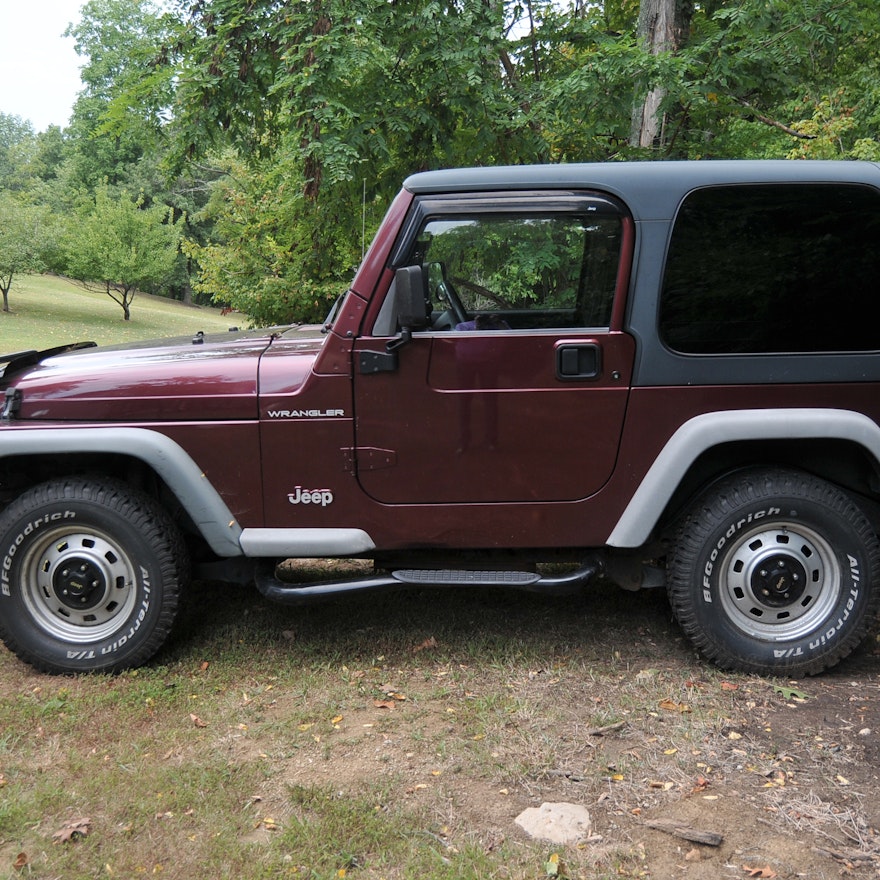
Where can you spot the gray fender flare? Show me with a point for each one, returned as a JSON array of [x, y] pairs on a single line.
[[703, 432], [183, 476]]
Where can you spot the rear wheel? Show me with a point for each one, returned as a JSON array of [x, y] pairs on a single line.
[[773, 572], [90, 577]]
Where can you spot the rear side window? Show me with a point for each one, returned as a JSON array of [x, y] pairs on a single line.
[[773, 269]]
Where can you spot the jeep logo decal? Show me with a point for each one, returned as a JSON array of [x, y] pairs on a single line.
[[310, 496]]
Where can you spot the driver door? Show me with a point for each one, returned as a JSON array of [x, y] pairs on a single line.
[[518, 389]]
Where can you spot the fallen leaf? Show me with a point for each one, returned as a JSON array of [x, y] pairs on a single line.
[[197, 722], [789, 693], [552, 866], [71, 830], [729, 686], [21, 861], [383, 704], [656, 783], [672, 706], [700, 784], [765, 873]]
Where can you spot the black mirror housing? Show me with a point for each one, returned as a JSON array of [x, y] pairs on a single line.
[[410, 298]]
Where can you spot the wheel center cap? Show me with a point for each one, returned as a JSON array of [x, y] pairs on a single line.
[[779, 581], [78, 583]]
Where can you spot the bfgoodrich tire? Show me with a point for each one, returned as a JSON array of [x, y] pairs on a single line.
[[775, 572], [90, 575]]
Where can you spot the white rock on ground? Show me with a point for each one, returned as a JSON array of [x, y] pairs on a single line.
[[558, 823]]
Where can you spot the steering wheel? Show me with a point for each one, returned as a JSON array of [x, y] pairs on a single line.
[[446, 291]]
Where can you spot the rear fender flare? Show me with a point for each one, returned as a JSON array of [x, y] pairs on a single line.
[[701, 433]]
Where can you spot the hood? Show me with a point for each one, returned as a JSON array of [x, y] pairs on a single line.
[[200, 378]]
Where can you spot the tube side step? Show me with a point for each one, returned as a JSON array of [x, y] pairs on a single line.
[[288, 593]]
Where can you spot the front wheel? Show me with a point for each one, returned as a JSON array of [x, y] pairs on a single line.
[[90, 576], [773, 572]]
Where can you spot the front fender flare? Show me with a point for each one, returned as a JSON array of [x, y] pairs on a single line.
[[703, 432], [171, 462]]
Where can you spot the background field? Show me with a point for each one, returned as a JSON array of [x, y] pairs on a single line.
[[48, 311]]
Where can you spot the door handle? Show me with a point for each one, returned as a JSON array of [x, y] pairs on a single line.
[[581, 361]]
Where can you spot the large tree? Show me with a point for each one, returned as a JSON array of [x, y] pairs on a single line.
[[121, 247], [663, 27], [23, 238], [120, 114], [317, 109]]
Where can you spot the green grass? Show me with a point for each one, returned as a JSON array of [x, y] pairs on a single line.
[[46, 311]]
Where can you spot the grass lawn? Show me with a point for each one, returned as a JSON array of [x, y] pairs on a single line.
[[47, 310]]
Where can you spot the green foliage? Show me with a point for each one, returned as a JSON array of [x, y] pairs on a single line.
[[23, 241], [14, 132], [118, 116], [275, 255], [123, 246], [321, 107]]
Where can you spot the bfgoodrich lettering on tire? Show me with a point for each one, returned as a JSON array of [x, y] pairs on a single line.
[[90, 574], [774, 571]]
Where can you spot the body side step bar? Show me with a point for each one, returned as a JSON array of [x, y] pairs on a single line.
[[288, 593]]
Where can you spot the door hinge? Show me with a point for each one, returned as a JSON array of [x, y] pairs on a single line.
[[368, 458], [377, 362], [11, 404]]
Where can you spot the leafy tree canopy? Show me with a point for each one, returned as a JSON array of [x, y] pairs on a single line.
[[283, 127], [23, 238], [123, 247]]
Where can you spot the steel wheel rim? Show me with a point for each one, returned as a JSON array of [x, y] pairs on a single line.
[[762, 597], [78, 585]]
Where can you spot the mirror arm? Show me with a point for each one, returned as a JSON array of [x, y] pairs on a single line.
[[404, 338]]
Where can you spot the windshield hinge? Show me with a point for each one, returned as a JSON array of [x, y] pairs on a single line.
[[11, 404]]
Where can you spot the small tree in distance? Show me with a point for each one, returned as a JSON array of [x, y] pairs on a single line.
[[122, 247], [22, 230]]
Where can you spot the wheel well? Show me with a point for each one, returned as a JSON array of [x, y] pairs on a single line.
[[842, 462], [20, 472]]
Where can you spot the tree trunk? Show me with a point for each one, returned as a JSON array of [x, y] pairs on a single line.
[[663, 26]]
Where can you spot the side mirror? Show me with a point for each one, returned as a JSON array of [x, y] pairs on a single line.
[[410, 298], [410, 303]]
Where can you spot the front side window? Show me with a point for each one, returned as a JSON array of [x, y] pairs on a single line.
[[497, 271], [773, 269]]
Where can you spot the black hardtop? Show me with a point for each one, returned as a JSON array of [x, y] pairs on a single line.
[[652, 190]]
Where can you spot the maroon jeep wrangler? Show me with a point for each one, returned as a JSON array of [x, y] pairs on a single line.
[[666, 373]]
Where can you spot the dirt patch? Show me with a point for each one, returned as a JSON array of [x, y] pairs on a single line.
[[625, 721], [449, 713]]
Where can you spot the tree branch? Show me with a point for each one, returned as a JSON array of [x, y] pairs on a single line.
[[774, 123]]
